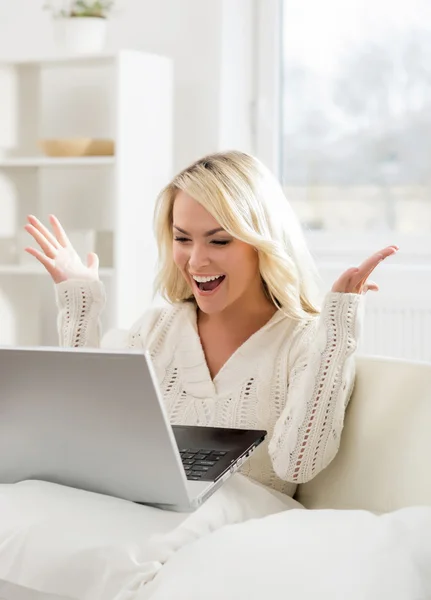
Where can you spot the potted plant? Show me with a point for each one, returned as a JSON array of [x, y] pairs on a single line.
[[80, 25]]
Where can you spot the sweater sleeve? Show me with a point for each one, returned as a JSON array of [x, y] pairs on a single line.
[[307, 434], [80, 304]]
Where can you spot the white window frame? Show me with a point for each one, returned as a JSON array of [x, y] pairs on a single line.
[[328, 246], [267, 114]]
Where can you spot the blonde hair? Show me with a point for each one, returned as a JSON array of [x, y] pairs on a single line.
[[248, 202]]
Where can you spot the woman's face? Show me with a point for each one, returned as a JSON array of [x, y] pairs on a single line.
[[222, 271]]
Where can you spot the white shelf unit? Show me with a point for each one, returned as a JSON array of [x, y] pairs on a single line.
[[46, 161], [126, 96]]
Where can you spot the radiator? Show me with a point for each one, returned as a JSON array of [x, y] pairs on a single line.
[[401, 332]]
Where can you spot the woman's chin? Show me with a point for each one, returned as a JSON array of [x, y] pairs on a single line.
[[210, 305], [207, 306]]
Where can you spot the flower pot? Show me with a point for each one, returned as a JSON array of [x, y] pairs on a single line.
[[80, 35]]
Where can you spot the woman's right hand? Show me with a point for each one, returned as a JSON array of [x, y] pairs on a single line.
[[57, 254]]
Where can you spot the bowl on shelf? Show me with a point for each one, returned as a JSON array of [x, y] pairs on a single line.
[[77, 146]]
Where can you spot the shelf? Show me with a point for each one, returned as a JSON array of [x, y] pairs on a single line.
[[37, 269], [74, 60], [48, 162], [65, 60]]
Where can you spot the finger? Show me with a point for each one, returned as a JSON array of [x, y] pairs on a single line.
[[34, 221], [370, 263], [46, 246], [359, 288], [365, 286], [343, 282], [370, 286], [93, 261], [47, 263], [367, 267], [60, 234]]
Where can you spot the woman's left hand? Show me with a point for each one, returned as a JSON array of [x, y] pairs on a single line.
[[355, 280]]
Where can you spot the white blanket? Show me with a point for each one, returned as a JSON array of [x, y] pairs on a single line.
[[58, 543], [305, 555], [78, 545]]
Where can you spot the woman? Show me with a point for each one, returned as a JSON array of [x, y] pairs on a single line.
[[242, 342]]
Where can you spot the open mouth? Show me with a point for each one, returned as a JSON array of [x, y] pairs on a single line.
[[208, 284]]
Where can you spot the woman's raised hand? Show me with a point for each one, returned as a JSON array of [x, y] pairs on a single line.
[[57, 254], [355, 280]]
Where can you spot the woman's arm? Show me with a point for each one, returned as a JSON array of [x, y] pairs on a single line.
[[307, 435], [80, 295], [80, 304]]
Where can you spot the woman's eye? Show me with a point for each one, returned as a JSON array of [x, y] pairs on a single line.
[[220, 242], [181, 239]]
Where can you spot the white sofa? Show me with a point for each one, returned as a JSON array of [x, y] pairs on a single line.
[[62, 544], [384, 461]]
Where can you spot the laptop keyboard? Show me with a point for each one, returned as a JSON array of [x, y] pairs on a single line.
[[198, 462]]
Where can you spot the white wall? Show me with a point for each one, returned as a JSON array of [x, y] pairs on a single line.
[[210, 42]]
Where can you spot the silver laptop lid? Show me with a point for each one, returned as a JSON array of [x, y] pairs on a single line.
[[90, 419]]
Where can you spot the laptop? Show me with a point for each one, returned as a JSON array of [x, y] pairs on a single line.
[[95, 420]]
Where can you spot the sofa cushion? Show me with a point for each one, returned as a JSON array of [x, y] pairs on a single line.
[[383, 461]]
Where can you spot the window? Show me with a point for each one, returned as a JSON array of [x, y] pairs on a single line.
[[354, 125]]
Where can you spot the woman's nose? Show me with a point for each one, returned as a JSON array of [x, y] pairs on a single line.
[[198, 257]]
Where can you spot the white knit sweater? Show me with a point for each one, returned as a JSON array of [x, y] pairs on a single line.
[[292, 379]]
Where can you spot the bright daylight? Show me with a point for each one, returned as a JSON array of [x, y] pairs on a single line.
[[215, 300]]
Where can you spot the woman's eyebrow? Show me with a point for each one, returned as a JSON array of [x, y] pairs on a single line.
[[206, 234]]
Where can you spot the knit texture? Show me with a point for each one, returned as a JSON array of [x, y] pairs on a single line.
[[292, 379]]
